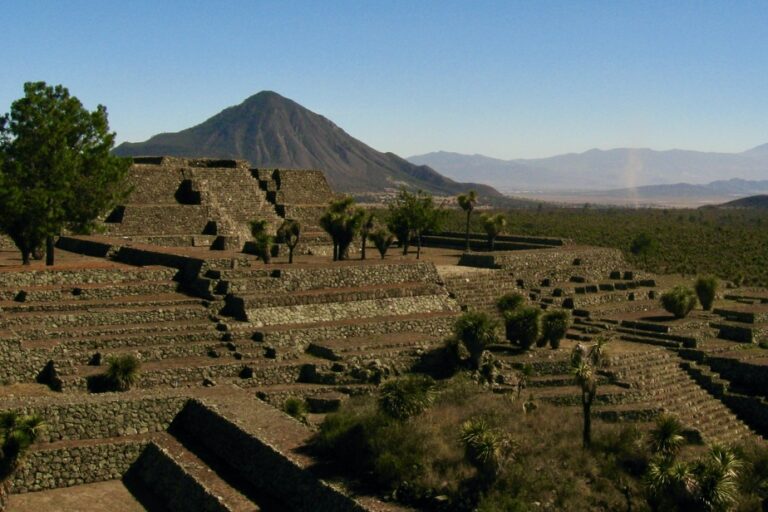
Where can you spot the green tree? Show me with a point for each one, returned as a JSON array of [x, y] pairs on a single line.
[[17, 434], [262, 239], [366, 227], [342, 220], [585, 364], [382, 239], [493, 226], [467, 203], [290, 232], [706, 291], [642, 246], [679, 301], [56, 170], [413, 214]]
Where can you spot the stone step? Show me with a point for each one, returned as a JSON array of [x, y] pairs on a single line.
[[180, 480]]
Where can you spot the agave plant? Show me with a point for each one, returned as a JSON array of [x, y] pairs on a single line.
[[666, 438], [17, 434], [485, 448]]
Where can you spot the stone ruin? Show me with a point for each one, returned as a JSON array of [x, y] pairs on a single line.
[[224, 340], [209, 203]]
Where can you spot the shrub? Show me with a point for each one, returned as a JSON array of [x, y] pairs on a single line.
[[296, 408], [476, 330], [122, 372], [706, 289], [509, 301], [406, 397], [262, 240], [679, 301], [485, 448], [523, 325], [554, 325], [382, 239]]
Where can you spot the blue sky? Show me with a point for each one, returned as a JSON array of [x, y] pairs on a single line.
[[506, 79]]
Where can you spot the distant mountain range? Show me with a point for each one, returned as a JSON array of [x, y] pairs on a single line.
[[269, 130], [735, 187], [613, 169]]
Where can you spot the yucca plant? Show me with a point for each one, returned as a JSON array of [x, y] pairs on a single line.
[[485, 448], [406, 397], [666, 438], [467, 203], [122, 372], [554, 325], [476, 330], [382, 239], [290, 232], [585, 363], [706, 290], [509, 302]]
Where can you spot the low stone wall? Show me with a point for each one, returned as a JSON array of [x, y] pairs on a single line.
[[348, 276], [334, 311], [592, 263], [52, 468]]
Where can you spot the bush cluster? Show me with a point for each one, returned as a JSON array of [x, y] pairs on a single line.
[[679, 301]]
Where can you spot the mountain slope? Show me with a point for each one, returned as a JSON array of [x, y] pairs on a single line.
[[760, 201], [269, 130], [601, 170]]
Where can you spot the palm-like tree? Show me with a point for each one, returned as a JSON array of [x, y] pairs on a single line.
[[467, 203], [366, 227], [493, 226], [17, 433], [709, 484], [585, 364], [290, 232], [342, 220]]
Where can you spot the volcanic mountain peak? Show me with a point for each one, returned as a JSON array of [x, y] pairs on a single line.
[[269, 130]]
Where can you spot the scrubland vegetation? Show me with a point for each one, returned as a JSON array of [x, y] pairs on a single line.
[[729, 244], [454, 446]]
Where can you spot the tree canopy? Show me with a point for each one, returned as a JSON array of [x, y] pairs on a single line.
[[56, 170], [411, 214]]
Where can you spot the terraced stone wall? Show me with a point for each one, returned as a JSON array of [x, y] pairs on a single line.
[[302, 187], [355, 276]]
